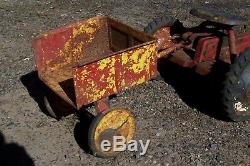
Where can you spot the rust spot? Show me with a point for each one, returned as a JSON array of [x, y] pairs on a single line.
[[164, 38]]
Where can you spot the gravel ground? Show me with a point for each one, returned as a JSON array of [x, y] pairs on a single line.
[[173, 114]]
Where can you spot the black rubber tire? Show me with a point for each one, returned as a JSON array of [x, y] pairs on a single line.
[[91, 141], [233, 87], [55, 106], [49, 109], [160, 22]]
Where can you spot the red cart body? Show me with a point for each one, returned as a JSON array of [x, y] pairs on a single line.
[[89, 60]]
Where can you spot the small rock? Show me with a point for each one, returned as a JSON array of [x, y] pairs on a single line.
[[213, 146], [26, 59], [64, 15], [11, 124], [160, 145], [150, 156]]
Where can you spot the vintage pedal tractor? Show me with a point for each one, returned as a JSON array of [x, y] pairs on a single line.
[[221, 37]]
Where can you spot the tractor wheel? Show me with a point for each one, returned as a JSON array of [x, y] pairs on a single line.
[[236, 92], [161, 27], [106, 125], [159, 23]]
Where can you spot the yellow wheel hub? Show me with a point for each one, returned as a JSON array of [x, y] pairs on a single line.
[[116, 122]]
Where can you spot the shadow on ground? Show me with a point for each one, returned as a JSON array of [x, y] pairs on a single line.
[[12, 154], [82, 129], [199, 92], [38, 90]]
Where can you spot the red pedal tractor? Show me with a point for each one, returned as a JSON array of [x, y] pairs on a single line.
[[219, 38]]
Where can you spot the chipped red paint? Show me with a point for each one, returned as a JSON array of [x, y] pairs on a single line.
[[102, 105], [62, 55], [119, 72], [164, 38], [57, 51], [206, 49], [242, 42]]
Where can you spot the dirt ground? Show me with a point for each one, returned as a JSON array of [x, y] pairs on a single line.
[[178, 115]]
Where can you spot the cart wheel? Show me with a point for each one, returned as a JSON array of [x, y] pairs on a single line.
[[106, 125], [236, 92], [55, 106], [49, 108]]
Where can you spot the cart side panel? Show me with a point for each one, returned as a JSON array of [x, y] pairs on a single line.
[[113, 74]]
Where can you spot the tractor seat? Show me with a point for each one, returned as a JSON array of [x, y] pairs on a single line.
[[217, 16]]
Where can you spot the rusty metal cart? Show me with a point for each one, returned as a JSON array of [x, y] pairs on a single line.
[[87, 61]]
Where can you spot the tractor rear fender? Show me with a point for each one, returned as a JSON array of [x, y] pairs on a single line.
[[242, 42], [209, 48]]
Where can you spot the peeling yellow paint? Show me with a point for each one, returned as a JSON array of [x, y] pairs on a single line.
[[107, 79], [98, 94], [78, 48], [124, 58], [83, 29], [123, 83], [103, 63], [92, 87], [73, 50], [141, 60], [103, 77]]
